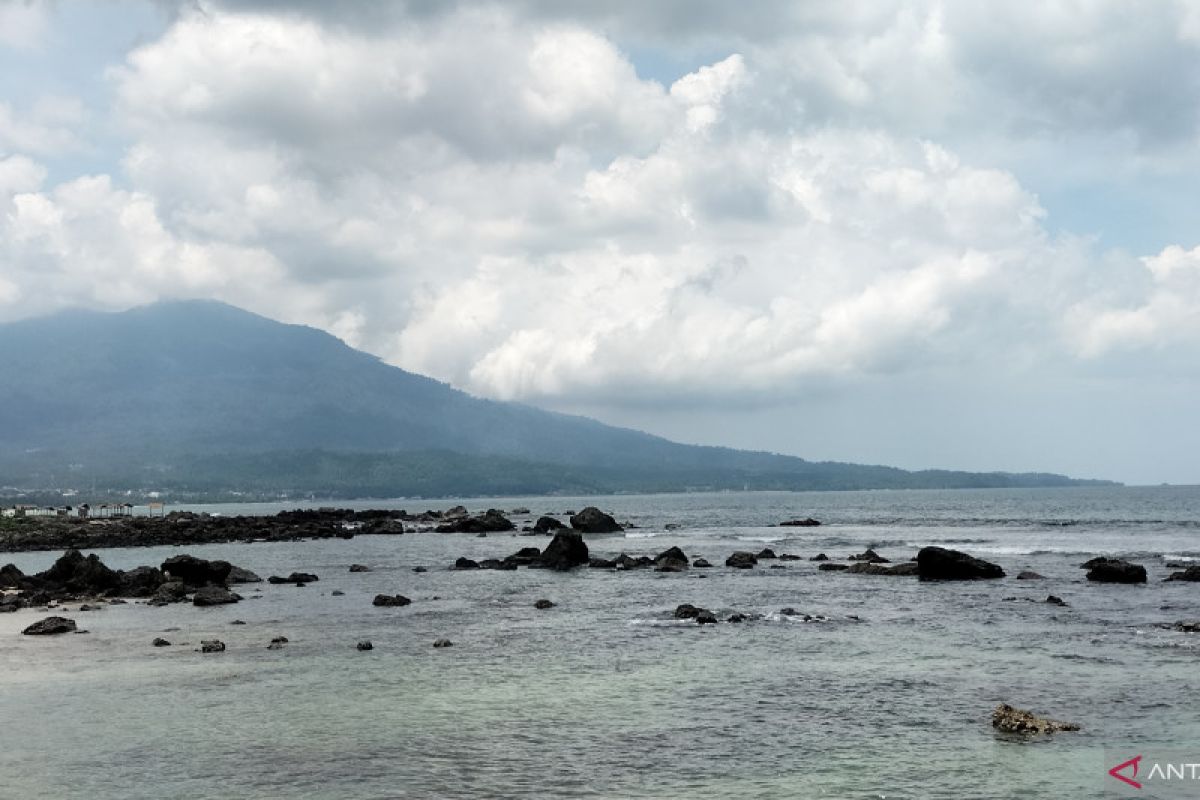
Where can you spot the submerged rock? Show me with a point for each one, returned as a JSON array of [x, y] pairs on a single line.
[[160, 642], [365, 644], [443, 643], [593, 520], [1055, 600], [298, 578], [1190, 574], [50, 626], [240, 575], [492, 520], [1029, 575], [359, 568], [524, 557], [543, 604], [1188, 626], [907, 569], [1014, 720], [391, 601], [807, 522], [819, 557], [828, 567], [212, 646], [741, 560], [214, 596], [942, 564], [701, 563], [706, 617], [766, 553], [1117, 570], [465, 563], [687, 611]]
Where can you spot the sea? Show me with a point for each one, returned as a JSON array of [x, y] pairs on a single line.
[[885, 691]]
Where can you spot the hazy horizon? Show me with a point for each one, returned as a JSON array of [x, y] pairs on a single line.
[[920, 234]]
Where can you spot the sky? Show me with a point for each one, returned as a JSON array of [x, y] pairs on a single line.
[[933, 233]]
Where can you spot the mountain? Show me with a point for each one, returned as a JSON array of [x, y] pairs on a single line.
[[203, 397]]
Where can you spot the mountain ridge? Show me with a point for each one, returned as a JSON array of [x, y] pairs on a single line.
[[150, 393]]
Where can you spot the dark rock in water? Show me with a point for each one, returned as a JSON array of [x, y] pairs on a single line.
[[833, 567], [543, 604], [50, 626], [1117, 571], [565, 551], [277, 643], [359, 568], [778, 566], [141, 582], [519, 510], [942, 564], [766, 552], [10, 604], [11, 577], [601, 563], [160, 642], [337, 593], [214, 596], [1092, 563], [196, 571], [524, 557], [788, 612], [73, 572], [365, 644], [86, 607], [593, 520], [687, 611], [1188, 626], [390, 601], [491, 520], [443, 643], [870, 556], [672, 560], [701, 563], [741, 560], [547, 525], [807, 522], [906, 569], [1055, 600], [495, 563], [1014, 720], [465, 563], [706, 617], [298, 578], [237, 622], [819, 557], [212, 646], [171, 592], [1029, 575], [1190, 574], [789, 557], [239, 575], [419, 569], [737, 618]]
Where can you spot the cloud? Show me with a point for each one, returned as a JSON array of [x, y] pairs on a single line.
[[49, 127], [23, 23]]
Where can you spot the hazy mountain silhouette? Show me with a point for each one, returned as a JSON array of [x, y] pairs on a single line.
[[206, 396]]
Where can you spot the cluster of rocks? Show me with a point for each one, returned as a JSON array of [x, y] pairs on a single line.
[[1007, 719], [566, 550], [1103, 569]]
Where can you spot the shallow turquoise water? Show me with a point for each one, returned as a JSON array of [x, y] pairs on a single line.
[[605, 695]]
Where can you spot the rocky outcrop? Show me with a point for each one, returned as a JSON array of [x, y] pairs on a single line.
[[671, 560], [439, 643], [702, 616], [490, 521], [390, 601], [742, 559], [1007, 719], [942, 564], [543, 604], [807, 522], [212, 646], [160, 642], [1190, 574], [830, 567], [1116, 570], [214, 596], [766, 553], [869, 556], [701, 563], [819, 557], [547, 525], [524, 557], [593, 520], [359, 568], [465, 563], [565, 551], [141, 582], [364, 644], [298, 578], [239, 575], [196, 571], [73, 572], [1029, 575], [907, 569], [50, 626]]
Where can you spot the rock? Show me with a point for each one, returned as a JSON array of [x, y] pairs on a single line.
[[1029, 575], [1055, 600], [819, 557], [565, 551], [671, 560], [420, 569], [701, 563], [75, 573], [789, 557], [214, 596], [212, 646], [524, 557], [239, 575], [196, 571], [906, 569], [169, 592], [10, 604], [1188, 626], [601, 563], [807, 522], [543, 604], [1117, 571], [390, 601], [741, 560], [237, 622], [465, 563], [737, 618], [789, 612], [141, 582], [833, 567], [942, 564], [491, 520], [359, 568], [337, 593], [1014, 720], [687, 611], [706, 617], [365, 644], [443, 643], [495, 563], [870, 556], [50, 626], [298, 578], [1092, 563], [160, 642], [766, 552], [277, 643], [547, 525], [1190, 574], [11, 577], [519, 510], [593, 520]]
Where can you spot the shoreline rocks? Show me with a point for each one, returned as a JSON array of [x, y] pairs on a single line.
[[742, 559], [593, 520], [942, 564], [1115, 570], [50, 626]]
